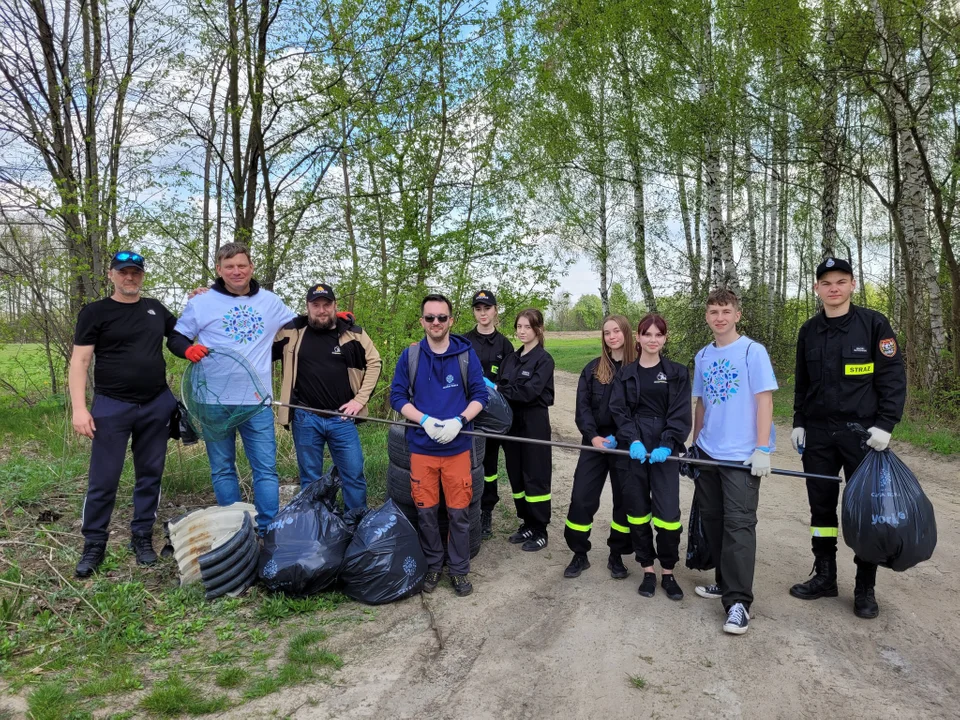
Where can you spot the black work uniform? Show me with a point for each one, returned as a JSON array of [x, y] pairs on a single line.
[[849, 370], [526, 381], [652, 405], [594, 420], [492, 349]]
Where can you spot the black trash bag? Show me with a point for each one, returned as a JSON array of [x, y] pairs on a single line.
[[384, 561], [497, 416], [180, 427], [886, 517], [699, 556], [304, 545]]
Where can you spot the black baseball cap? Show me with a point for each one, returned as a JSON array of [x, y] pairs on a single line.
[[834, 264], [320, 290], [125, 259], [484, 297]]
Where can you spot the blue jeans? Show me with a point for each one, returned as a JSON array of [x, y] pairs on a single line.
[[260, 445], [310, 432]]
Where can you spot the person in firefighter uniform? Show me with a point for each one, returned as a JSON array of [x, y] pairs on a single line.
[[849, 370]]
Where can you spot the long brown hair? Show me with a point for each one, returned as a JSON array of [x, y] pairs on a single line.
[[605, 369], [535, 318]]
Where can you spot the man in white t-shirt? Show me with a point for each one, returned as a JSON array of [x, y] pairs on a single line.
[[733, 422], [238, 315]]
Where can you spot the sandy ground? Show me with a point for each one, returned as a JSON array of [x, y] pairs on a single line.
[[530, 644]]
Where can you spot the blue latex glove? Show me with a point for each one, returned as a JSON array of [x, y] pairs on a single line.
[[638, 451], [489, 383], [660, 455], [610, 442]]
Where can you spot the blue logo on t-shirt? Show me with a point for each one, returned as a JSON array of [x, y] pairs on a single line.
[[243, 324], [720, 381]]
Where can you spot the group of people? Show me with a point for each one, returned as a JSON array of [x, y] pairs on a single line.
[[849, 370]]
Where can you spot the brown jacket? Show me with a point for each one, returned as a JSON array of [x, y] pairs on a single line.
[[363, 361]]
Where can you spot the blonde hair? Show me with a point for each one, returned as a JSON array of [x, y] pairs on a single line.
[[605, 369]]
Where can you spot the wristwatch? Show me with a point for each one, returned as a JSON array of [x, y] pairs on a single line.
[[462, 419]]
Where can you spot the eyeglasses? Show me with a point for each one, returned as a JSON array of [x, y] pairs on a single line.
[[438, 318], [124, 256]]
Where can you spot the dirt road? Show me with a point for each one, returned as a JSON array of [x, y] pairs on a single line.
[[530, 644]]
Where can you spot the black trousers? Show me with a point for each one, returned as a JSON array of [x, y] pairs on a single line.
[[728, 509], [588, 479], [651, 497], [530, 467], [491, 474], [829, 449], [116, 422]]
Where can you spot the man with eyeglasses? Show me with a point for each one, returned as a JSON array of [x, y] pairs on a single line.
[[442, 400], [124, 333]]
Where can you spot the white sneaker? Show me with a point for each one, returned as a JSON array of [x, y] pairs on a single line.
[[737, 620], [711, 592]]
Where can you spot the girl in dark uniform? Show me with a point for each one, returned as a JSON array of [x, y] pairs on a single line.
[[596, 424], [650, 404], [526, 381]]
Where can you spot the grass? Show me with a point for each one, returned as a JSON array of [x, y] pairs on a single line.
[[637, 681], [126, 678], [175, 696], [231, 677], [572, 354]]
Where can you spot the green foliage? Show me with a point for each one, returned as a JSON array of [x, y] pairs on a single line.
[[175, 696], [231, 677], [123, 679]]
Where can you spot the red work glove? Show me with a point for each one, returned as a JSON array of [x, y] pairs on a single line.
[[196, 353], [347, 316]]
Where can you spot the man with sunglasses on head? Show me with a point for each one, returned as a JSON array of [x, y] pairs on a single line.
[[442, 403], [124, 334]]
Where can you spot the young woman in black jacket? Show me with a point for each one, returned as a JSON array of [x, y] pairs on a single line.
[[650, 404], [597, 427], [526, 381]]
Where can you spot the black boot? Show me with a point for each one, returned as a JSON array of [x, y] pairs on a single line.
[[864, 603], [618, 571], [577, 565], [142, 546], [822, 584], [92, 557], [486, 524]]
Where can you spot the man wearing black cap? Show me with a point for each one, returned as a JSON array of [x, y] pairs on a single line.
[[124, 332], [491, 346], [849, 370], [329, 363]]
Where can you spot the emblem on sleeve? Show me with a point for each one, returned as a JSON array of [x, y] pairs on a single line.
[[888, 347]]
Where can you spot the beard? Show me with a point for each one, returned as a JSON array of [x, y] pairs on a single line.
[[321, 324]]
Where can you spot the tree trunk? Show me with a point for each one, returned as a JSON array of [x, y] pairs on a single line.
[[829, 144], [693, 262]]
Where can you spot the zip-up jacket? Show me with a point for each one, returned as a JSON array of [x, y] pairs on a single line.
[[526, 381], [361, 356], [492, 350], [624, 400], [593, 415], [849, 371]]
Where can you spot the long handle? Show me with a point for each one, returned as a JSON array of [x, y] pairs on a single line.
[[561, 444]]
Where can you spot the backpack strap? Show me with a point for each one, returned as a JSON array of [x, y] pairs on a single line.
[[413, 362], [464, 359]]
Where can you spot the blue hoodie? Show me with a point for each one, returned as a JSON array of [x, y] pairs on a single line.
[[438, 392]]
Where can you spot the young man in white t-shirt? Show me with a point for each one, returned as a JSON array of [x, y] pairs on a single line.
[[733, 422], [238, 315]]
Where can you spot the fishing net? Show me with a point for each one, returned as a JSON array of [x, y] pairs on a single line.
[[221, 392]]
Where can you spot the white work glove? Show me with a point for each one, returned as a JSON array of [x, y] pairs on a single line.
[[759, 462], [451, 428], [879, 439], [799, 439], [432, 427]]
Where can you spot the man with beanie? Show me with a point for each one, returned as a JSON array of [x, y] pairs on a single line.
[[849, 370]]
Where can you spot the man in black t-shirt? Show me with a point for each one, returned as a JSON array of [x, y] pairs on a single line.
[[124, 332]]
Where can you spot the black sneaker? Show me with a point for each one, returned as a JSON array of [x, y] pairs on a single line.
[[865, 602], [648, 587], [486, 524], [430, 581], [670, 587], [92, 557], [522, 534], [537, 541], [577, 565], [710, 592], [142, 546], [737, 619], [461, 585], [618, 571]]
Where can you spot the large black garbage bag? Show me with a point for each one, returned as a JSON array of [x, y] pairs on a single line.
[[497, 416], [384, 561], [304, 545], [886, 518], [699, 556]]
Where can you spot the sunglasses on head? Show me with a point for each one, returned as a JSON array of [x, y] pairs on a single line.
[[439, 318], [124, 256]]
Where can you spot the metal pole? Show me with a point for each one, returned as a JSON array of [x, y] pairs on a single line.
[[561, 444]]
